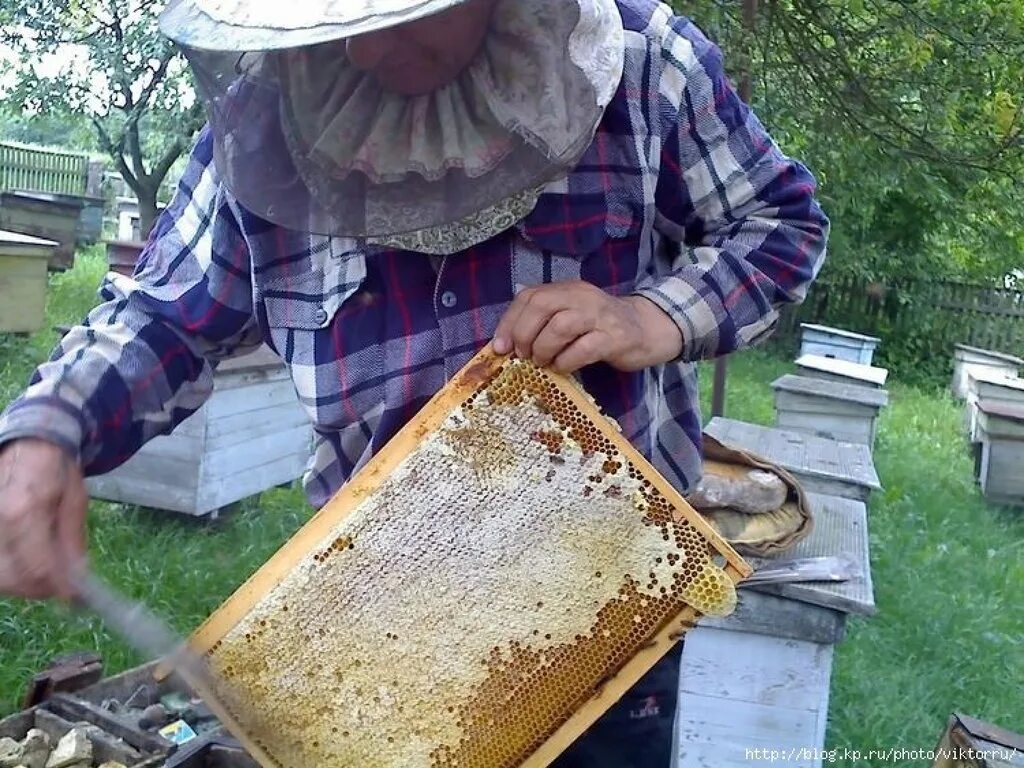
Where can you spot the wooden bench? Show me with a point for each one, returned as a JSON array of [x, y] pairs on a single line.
[[761, 678], [250, 436], [838, 343], [832, 409], [834, 369], [968, 359]]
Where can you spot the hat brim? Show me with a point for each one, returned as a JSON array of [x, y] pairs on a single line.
[[184, 23]]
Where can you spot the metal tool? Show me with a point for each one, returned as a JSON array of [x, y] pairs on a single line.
[[799, 570], [151, 636]]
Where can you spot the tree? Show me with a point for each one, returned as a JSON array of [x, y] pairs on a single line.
[[910, 112], [106, 60]]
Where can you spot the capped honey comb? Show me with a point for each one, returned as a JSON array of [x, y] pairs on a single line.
[[477, 596]]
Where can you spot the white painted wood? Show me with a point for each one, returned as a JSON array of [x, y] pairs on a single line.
[[840, 530], [226, 462], [761, 613], [849, 429], [821, 465], [742, 692], [810, 402], [1002, 478], [972, 359], [1006, 422], [824, 341], [126, 486], [992, 386], [251, 435], [217, 494], [272, 423], [844, 371], [844, 395]]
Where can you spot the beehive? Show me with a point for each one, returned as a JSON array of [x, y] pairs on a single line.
[[488, 585]]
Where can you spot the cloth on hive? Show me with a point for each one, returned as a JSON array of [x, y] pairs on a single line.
[[756, 505]]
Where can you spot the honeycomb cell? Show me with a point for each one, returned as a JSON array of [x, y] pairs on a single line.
[[509, 566]]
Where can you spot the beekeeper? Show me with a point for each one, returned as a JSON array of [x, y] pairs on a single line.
[[385, 186]]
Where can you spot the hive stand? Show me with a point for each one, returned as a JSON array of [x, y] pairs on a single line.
[[1000, 428], [825, 341], [831, 409], [834, 369], [23, 282], [250, 436], [970, 359], [761, 678]]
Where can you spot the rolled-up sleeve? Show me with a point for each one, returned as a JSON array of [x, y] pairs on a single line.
[[752, 236], [143, 359]]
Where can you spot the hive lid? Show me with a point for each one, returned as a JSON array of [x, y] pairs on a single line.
[[835, 365], [1008, 358], [17, 242], [996, 378], [833, 390], [492, 581], [1002, 409], [839, 332]]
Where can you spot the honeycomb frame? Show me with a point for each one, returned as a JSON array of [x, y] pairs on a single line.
[[479, 374]]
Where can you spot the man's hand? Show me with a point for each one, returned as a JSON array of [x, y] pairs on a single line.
[[43, 502], [565, 326]]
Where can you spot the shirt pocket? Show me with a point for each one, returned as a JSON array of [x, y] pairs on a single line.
[[307, 294], [318, 319], [575, 237]]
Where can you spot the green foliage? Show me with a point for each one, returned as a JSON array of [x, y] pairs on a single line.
[[73, 132], [105, 61], [909, 113]]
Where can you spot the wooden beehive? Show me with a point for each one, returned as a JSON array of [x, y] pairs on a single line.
[[992, 387], [838, 343], [967, 360], [23, 282], [487, 586], [844, 412], [251, 435], [49, 216], [1001, 432]]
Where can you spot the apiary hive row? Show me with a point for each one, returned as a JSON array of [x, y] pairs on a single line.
[[470, 592]]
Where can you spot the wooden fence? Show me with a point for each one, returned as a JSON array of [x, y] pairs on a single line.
[[916, 319], [42, 170]]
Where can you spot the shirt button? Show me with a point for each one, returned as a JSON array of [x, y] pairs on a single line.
[[449, 299], [321, 316]]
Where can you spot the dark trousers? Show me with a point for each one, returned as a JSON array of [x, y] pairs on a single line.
[[637, 731]]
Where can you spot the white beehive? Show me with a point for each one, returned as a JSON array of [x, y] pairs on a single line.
[[838, 343], [250, 436]]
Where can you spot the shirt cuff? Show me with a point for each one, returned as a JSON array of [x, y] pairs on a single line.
[[697, 315], [44, 419]]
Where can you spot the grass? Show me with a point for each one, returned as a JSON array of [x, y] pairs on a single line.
[[948, 568]]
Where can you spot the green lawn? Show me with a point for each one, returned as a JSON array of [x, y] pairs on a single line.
[[948, 568]]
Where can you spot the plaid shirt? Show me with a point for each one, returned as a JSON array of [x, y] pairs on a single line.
[[682, 198]]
